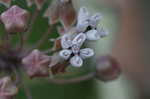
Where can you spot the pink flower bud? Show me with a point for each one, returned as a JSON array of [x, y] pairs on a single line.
[[107, 68], [64, 11], [36, 64], [5, 2], [15, 19], [7, 88]]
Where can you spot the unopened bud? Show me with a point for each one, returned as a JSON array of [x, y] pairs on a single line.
[[107, 68], [15, 19]]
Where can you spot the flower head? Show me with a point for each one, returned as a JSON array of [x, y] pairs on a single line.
[[71, 49], [36, 63], [88, 24], [15, 19]]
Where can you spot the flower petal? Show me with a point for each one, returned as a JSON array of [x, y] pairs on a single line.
[[82, 26], [83, 14], [94, 20], [92, 35], [83, 20], [66, 41], [86, 53], [79, 39], [65, 54], [76, 61]]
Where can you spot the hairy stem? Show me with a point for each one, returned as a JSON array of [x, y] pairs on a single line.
[[73, 80]]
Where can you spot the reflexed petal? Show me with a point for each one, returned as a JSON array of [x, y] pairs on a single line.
[[83, 19], [66, 41], [65, 54], [94, 20], [76, 61], [92, 35], [79, 39], [86, 53], [83, 14], [102, 32]]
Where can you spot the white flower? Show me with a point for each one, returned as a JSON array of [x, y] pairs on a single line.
[[71, 49], [88, 24]]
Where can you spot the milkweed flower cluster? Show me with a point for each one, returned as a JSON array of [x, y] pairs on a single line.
[[70, 47], [86, 29]]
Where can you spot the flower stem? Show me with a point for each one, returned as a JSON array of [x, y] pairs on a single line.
[[33, 19], [73, 80], [42, 40], [20, 47]]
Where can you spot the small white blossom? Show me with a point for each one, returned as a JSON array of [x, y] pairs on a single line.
[[88, 24], [71, 49]]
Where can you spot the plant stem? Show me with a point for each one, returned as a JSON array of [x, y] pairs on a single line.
[[19, 81], [29, 31], [20, 47], [42, 40], [73, 80]]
